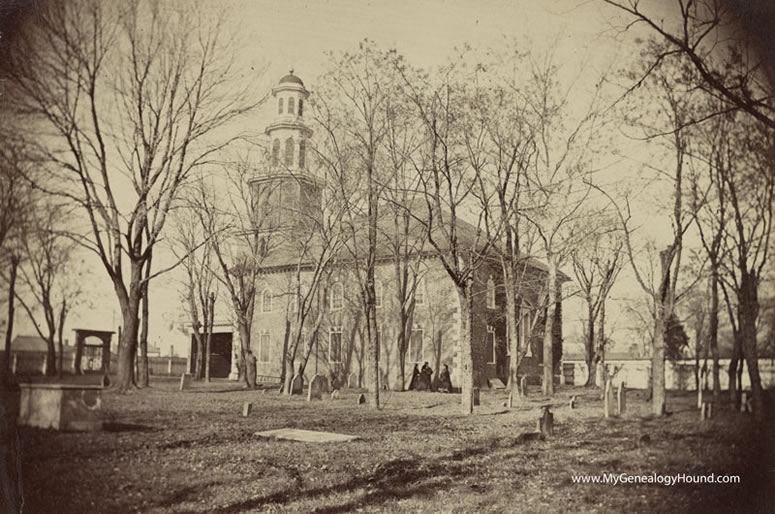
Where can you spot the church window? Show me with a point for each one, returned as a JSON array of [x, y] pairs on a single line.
[[491, 293], [289, 152], [490, 344], [302, 153], [301, 106], [378, 293], [415, 345], [419, 292], [264, 342], [335, 344], [336, 300], [290, 105], [266, 300], [280, 106], [276, 152]]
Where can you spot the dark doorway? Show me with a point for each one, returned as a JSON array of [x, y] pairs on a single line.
[[220, 355]]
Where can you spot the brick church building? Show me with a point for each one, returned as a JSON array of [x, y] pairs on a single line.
[[287, 191]]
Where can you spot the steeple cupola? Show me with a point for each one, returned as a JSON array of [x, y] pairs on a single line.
[[288, 133]]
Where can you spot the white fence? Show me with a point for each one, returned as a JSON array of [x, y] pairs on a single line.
[[678, 375]]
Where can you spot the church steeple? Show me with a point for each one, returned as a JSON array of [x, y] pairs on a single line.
[[288, 133], [286, 194]]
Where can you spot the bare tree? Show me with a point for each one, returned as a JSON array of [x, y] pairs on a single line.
[[596, 265], [353, 107], [51, 284], [129, 97], [450, 164], [728, 59]]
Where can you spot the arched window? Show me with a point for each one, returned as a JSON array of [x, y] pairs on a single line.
[[290, 105], [289, 152], [266, 300], [302, 153], [378, 293], [419, 292], [301, 106], [276, 152], [336, 300], [415, 344], [280, 106], [491, 356], [491, 293]]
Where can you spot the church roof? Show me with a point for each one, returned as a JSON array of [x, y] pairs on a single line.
[[292, 79], [28, 344]]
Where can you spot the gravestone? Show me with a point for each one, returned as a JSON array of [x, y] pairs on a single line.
[[608, 399], [352, 380], [523, 386], [572, 402], [184, 381], [361, 399], [317, 386], [706, 411], [335, 394], [297, 384], [246, 408], [475, 396], [546, 422], [621, 404], [496, 383], [745, 402], [699, 389]]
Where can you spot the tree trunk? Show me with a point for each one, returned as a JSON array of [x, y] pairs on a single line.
[[11, 307], [208, 343], [737, 352], [128, 340], [748, 308], [590, 345], [658, 365], [600, 371], [62, 316], [465, 300], [244, 336], [513, 331], [287, 363], [143, 371], [713, 330], [548, 379]]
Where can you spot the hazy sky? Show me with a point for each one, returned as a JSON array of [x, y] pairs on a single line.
[[278, 35]]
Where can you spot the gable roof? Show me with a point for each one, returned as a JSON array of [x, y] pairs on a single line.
[[28, 344]]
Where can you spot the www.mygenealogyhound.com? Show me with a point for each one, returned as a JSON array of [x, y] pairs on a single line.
[[655, 478]]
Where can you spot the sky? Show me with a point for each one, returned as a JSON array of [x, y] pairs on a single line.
[[276, 36]]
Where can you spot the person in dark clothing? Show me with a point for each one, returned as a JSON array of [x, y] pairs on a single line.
[[445, 382], [425, 377], [414, 383]]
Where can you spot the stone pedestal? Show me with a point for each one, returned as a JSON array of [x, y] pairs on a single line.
[[61, 406], [608, 399], [246, 408]]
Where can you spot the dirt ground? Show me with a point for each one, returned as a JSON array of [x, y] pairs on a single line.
[[165, 451]]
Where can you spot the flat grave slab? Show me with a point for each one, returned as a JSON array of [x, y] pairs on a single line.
[[307, 436]]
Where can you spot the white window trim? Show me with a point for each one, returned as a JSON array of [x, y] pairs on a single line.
[[261, 345], [332, 295], [491, 303], [266, 306], [493, 356], [331, 331], [419, 292], [378, 292], [422, 344]]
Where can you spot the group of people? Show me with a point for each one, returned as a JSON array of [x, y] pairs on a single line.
[[421, 379]]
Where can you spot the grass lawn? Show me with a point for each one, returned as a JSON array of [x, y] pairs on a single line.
[[169, 451]]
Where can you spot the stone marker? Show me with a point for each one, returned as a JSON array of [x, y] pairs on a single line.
[[699, 389], [352, 380], [745, 402], [361, 399], [546, 422], [475, 396], [495, 383], [317, 386], [297, 384], [246, 408], [307, 436], [184, 381], [706, 411], [572, 403], [621, 403], [523, 386], [608, 399], [335, 394]]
